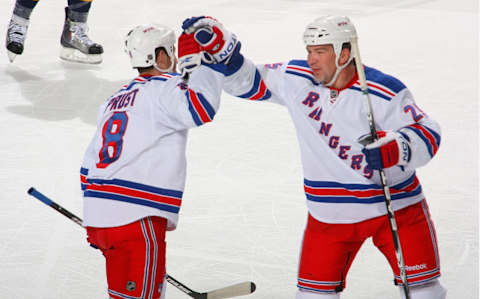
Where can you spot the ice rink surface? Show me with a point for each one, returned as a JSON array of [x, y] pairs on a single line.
[[244, 210]]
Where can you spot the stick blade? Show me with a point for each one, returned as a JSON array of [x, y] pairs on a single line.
[[239, 289]]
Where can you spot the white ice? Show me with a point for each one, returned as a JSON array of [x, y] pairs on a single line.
[[244, 209]]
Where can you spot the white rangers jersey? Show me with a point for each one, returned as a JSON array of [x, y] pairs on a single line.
[[339, 188], [135, 164]]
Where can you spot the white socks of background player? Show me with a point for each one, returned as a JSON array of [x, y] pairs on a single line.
[[432, 290], [164, 289], [311, 295]]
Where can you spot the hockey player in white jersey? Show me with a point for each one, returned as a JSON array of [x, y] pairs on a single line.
[[343, 190], [133, 172]]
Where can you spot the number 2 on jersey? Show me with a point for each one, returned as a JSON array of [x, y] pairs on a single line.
[[417, 114], [112, 134]]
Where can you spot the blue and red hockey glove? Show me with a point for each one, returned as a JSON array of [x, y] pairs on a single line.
[[391, 149], [213, 38]]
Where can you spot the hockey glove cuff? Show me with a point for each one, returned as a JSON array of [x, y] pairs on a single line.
[[391, 148], [189, 54]]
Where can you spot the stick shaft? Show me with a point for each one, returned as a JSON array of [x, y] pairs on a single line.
[[38, 195], [35, 193], [182, 287], [227, 292], [383, 177]]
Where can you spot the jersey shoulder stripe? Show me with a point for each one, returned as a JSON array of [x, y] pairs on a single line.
[[388, 82], [380, 84], [300, 68]]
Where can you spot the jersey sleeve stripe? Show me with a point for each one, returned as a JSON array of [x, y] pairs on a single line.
[[201, 111], [333, 192], [259, 90], [431, 138], [205, 104], [412, 181]]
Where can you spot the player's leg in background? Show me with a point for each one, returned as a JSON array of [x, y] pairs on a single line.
[[18, 26], [420, 251], [76, 44], [327, 253]]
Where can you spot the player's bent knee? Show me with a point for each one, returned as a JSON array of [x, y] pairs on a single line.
[[431, 290], [311, 295]]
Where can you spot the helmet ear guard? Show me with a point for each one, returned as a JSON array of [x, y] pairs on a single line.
[[331, 30], [142, 41]]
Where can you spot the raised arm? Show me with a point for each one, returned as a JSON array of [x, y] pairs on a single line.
[[221, 50]]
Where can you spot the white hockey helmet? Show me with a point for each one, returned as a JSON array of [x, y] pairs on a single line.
[[334, 30], [331, 30], [142, 41]]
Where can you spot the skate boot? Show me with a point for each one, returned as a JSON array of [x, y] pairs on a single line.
[[16, 34], [76, 45]]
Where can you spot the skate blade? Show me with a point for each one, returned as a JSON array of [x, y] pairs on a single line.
[[11, 56], [74, 55]]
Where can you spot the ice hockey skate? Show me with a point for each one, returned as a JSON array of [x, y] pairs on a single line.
[[76, 45], [16, 34]]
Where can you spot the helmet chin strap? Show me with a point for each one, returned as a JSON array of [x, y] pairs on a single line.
[[339, 69]]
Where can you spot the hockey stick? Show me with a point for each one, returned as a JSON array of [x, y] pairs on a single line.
[[383, 177], [240, 289]]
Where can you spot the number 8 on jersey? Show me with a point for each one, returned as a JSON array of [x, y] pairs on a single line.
[[112, 133]]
